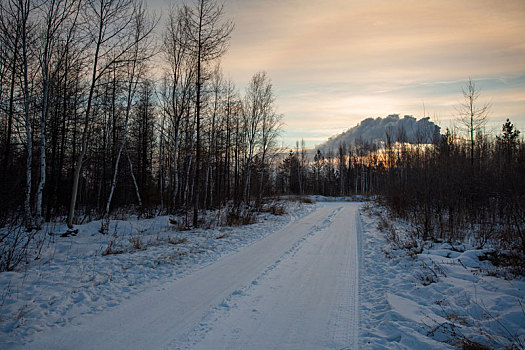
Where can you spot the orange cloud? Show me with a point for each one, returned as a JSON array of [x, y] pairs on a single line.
[[375, 49]]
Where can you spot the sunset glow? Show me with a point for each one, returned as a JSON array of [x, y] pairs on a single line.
[[334, 63]]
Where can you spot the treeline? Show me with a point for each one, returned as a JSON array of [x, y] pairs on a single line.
[[88, 126], [456, 189], [101, 108], [348, 170]]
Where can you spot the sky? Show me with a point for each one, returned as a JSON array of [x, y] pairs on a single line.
[[334, 63]]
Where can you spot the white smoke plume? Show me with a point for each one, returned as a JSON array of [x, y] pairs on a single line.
[[406, 129]]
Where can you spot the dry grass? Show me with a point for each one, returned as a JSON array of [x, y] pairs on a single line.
[[236, 216], [305, 200], [274, 209], [136, 242], [177, 241], [111, 249]]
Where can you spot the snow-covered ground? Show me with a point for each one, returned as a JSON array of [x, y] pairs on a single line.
[[437, 297], [322, 276], [74, 276], [296, 287], [307, 299]]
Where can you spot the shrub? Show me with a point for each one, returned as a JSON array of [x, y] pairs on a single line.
[[274, 208], [16, 245], [239, 216]]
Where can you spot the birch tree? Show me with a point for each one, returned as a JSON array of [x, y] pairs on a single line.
[[60, 17], [24, 8], [178, 93], [270, 129], [208, 35], [261, 123], [139, 53], [216, 88], [110, 28]]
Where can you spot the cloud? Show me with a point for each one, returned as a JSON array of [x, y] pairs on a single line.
[[335, 62], [336, 41]]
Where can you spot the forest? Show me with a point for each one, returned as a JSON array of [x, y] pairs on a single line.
[[104, 107], [90, 123], [455, 189]]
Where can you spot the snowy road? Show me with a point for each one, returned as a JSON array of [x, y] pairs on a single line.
[[295, 289]]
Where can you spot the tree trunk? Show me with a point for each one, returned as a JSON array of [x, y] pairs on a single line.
[[43, 118], [85, 131], [131, 86], [137, 193], [7, 154], [198, 110], [27, 202]]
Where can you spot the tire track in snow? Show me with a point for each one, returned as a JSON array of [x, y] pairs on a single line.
[[307, 299], [280, 292], [345, 329], [223, 309]]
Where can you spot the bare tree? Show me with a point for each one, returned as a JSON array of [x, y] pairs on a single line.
[[231, 113], [178, 92], [60, 17], [208, 34], [109, 23], [20, 11], [10, 39], [270, 129], [141, 51], [342, 168], [471, 115], [254, 106], [216, 87]]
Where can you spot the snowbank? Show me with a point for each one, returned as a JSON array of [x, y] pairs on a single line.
[[91, 272], [439, 298]]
